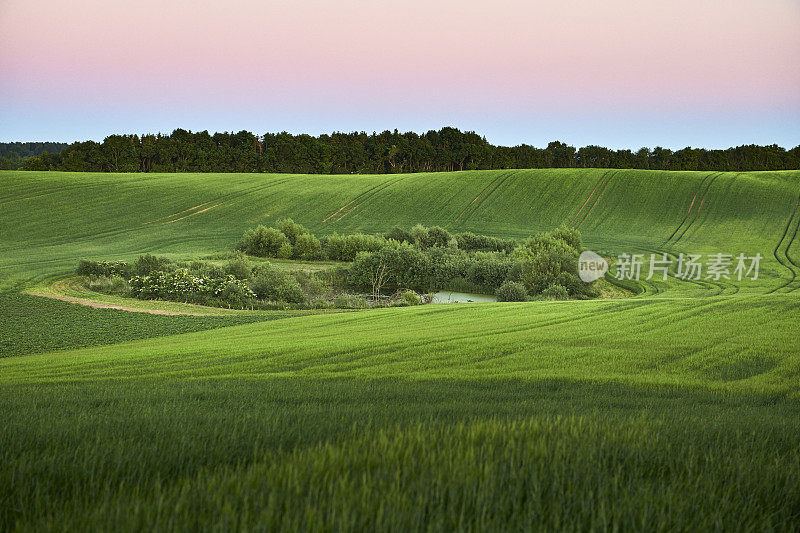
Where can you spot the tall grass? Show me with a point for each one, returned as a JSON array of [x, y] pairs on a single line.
[[392, 454], [674, 410]]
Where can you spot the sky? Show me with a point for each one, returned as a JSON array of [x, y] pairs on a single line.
[[616, 73]]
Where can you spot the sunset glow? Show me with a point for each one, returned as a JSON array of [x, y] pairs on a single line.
[[619, 73]]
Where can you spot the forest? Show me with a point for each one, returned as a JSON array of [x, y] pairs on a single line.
[[389, 152], [12, 154]]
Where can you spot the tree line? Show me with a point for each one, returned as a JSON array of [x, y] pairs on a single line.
[[389, 152], [12, 154]]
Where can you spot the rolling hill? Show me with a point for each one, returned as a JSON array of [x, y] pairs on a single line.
[[674, 409], [50, 221]]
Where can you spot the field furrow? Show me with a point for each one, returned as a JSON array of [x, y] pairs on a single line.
[[782, 255], [699, 208], [599, 195], [673, 407]]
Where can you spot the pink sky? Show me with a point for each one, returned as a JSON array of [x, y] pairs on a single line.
[[506, 66]]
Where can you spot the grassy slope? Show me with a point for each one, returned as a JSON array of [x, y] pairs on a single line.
[[740, 348], [665, 412], [51, 220], [304, 453]]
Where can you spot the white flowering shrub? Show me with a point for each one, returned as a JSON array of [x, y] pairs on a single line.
[[181, 285]]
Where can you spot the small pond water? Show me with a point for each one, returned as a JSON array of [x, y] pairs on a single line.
[[446, 297]]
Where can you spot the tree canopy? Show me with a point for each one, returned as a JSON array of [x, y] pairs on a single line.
[[387, 152]]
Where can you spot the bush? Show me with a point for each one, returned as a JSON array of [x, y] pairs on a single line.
[[336, 277], [263, 285], [289, 290], [208, 270], [576, 287], [473, 242], [419, 236], [556, 292], [571, 236], [307, 247], [346, 247], [448, 264], [546, 260], [112, 285], [239, 267], [233, 291], [178, 285], [488, 270], [403, 266], [438, 236], [398, 234], [436, 267], [268, 283], [291, 229], [147, 263], [312, 283], [424, 258], [107, 269], [285, 251], [551, 259], [320, 303], [262, 242], [511, 291], [410, 298]]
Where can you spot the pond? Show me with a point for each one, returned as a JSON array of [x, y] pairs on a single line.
[[446, 297]]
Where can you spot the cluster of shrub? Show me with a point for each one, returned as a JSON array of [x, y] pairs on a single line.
[[544, 266], [237, 283], [426, 259], [290, 240], [403, 264]]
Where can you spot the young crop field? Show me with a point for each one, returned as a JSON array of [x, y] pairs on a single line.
[[674, 408]]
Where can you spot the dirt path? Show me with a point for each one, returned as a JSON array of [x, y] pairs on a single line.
[[101, 305]]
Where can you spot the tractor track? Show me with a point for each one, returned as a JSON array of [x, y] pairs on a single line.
[[699, 208], [596, 185], [703, 283], [374, 191], [192, 214], [478, 196], [486, 197], [220, 201], [791, 241], [790, 266], [175, 214], [691, 205], [355, 199], [599, 195]]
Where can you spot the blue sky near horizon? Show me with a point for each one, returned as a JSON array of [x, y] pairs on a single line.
[[616, 132], [621, 73]]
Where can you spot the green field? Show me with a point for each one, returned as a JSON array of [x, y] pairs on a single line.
[[678, 408]]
